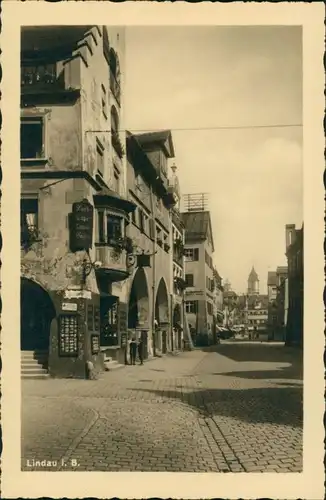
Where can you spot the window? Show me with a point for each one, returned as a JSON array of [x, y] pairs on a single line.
[[209, 308], [100, 221], [189, 279], [104, 102], [151, 229], [114, 225], [99, 158], [141, 221], [28, 220], [32, 138], [116, 181], [159, 236], [191, 254], [133, 216], [191, 306]]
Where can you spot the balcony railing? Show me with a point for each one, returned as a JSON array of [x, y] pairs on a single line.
[[41, 77], [115, 87]]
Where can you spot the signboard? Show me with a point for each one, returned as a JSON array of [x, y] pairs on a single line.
[[69, 306], [143, 260], [68, 335], [78, 294], [95, 343], [82, 225]]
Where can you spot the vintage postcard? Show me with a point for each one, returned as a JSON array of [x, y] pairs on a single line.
[[162, 319]]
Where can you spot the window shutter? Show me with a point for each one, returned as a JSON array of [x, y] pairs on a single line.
[[196, 254]]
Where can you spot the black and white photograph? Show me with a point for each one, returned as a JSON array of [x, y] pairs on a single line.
[[163, 227]]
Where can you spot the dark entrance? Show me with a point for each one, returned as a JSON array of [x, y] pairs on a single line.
[[37, 312]]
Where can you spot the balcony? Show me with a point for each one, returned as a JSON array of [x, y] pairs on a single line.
[[114, 262], [115, 87], [41, 78]]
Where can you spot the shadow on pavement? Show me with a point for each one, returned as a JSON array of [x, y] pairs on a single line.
[[273, 405], [287, 372], [256, 352]]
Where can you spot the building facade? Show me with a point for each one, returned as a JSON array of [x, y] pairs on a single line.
[[198, 250], [96, 226], [74, 209], [294, 253], [150, 229]]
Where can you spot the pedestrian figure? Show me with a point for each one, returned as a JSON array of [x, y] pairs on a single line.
[[140, 351], [133, 351]]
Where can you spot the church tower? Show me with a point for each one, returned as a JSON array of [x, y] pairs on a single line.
[[253, 282]]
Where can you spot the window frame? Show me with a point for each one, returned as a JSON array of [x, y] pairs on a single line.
[[38, 119]]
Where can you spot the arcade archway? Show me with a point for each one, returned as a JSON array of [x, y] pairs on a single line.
[[37, 313], [162, 315], [138, 309]]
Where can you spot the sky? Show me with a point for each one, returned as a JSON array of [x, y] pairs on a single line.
[[193, 80]]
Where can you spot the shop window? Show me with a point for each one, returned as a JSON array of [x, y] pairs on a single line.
[[32, 138], [29, 220]]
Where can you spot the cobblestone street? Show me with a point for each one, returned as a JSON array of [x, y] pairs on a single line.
[[235, 407]]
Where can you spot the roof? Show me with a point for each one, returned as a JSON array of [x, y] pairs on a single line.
[[282, 270], [197, 225], [105, 197], [160, 137], [271, 278], [253, 276]]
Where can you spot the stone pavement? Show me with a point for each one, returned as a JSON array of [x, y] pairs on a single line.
[[235, 407]]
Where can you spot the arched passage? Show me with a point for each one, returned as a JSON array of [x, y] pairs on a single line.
[[162, 304], [138, 310], [162, 315], [37, 313]]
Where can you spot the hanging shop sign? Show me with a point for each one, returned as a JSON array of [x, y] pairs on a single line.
[[68, 335], [78, 294], [82, 225], [143, 260]]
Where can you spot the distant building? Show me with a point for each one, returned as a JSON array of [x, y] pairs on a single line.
[[199, 248], [257, 314], [294, 253], [253, 283], [218, 298]]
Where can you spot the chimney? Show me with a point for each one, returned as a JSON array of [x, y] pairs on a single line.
[[290, 235]]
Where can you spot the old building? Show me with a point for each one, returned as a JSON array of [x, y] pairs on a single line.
[[218, 297], [150, 230], [74, 209], [199, 248], [294, 253]]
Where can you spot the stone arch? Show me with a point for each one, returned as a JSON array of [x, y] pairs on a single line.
[[37, 313], [138, 307], [162, 303]]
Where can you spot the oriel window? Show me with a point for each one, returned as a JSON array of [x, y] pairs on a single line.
[[114, 228]]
